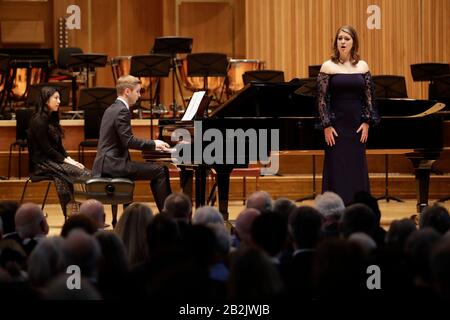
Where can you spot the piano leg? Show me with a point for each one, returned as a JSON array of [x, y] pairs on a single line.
[[200, 185], [186, 181], [422, 164], [223, 188]]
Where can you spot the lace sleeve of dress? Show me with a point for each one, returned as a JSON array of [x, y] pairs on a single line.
[[369, 112], [323, 100]]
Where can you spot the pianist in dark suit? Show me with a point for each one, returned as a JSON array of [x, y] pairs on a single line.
[[347, 110], [116, 137], [47, 153]]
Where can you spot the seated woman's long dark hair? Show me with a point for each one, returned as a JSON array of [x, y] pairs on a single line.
[[42, 108]]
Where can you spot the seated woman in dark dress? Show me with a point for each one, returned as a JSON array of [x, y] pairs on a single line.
[[47, 154]]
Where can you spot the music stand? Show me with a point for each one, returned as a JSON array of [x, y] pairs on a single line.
[[150, 65], [100, 97], [309, 87], [207, 65], [428, 72], [88, 61], [172, 45], [313, 70], [387, 86], [263, 76]]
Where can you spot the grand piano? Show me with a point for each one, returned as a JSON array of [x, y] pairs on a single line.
[[281, 118]]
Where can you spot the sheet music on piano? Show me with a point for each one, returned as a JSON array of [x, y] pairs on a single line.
[[193, 106]]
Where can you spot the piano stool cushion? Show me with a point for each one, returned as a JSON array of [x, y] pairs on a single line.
[[106, 190]]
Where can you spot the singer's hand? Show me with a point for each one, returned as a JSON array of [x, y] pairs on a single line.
[[330, 135], [364, 129]]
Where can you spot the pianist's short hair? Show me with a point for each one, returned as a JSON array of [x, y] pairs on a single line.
[[126, 82]]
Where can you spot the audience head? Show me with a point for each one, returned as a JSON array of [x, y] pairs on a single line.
[[284, 207], [364, 241], [269, 232], [30, 221], [178, 206], [45, 261], [440, 266], [207, 215], [132, 230], [358, 218], [366, 198], [163, 235], [418, 248], [79, 221], [244, 223], [305, 224], [260, 200], [399, 231], [82, 250], [436, 217], [8, 211], [94, 209], [253, 277], [330, 205], [57, 290]]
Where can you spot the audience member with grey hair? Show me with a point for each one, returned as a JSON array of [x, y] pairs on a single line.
[[178, 206], [57, 289], [206, 215], [45, 262], [82, 250], [331, 206], [260, 200], [31, 226], [94, 209]]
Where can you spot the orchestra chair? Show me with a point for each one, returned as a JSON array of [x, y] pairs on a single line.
[[113, 191], [263, 76], [313, 70], [23, 117], [35, 178], [389, 86], [93, 102]]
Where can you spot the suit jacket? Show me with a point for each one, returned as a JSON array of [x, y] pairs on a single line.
[[116, 137]]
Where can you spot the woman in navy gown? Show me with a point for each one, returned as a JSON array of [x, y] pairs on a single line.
[[347, 110]]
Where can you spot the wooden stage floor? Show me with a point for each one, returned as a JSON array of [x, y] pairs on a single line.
[[389, 212]]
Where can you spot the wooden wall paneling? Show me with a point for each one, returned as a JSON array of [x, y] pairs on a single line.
[[141, 22], [29, 11], [210, 24], [104, 36], [239, 29]]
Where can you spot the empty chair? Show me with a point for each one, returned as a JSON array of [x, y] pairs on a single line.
[[23, 116]]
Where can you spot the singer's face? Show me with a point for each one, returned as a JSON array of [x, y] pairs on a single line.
[[344, 43]]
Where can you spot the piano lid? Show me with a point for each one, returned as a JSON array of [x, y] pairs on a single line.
[[271, 100]]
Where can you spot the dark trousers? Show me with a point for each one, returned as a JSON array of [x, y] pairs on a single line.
[[159, 180]]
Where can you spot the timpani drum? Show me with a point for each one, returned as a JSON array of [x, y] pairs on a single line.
[[237, 67], [24, 77], [196, 83]]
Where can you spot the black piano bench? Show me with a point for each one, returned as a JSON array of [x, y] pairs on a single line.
[[111, 191]]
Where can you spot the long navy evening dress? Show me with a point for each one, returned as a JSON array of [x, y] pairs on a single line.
[[346, 100]]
